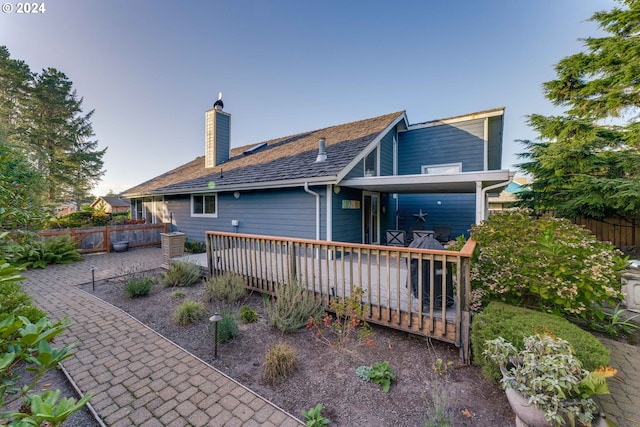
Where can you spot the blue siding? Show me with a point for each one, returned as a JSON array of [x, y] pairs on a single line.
[[461, 142], [495, 143], [386, 154], [287, 213], [455, 210], [347, 223]]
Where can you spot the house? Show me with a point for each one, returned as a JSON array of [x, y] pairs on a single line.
[[111, 204], [348, 182], [66, 209], [509, 196]]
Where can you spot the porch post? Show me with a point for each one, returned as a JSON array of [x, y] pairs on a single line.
[[480, 203]]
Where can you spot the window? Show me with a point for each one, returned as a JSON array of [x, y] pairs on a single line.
[[442, 169], [204, 205], [371, 163]]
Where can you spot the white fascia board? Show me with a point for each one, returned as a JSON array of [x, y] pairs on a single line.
[[452, 120], [371, 146], [248, 186]]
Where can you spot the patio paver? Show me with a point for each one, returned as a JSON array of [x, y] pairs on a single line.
[[112, 355]]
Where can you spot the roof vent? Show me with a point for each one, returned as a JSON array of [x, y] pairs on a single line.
[[322, 151], [254, 148], [218, 105]]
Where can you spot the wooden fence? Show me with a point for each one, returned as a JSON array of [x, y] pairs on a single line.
[[618, 231], [397, 282], [100, 239]]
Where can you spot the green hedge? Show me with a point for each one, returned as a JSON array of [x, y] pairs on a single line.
[[515, 323]]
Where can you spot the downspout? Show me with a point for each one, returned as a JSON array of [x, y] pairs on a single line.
[[317, 196], [483, 193]]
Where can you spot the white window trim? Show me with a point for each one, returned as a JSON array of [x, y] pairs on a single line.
[[205, 215], [441, 165]]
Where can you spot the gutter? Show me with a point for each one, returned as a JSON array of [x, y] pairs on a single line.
[[317, 196], [491, 187]]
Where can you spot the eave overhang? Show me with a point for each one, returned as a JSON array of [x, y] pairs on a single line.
[[463, 182]]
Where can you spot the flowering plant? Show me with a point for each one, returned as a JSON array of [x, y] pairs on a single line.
[[547, 373], [545, 263]]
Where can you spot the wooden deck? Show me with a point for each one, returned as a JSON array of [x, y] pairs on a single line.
[[396, 281]]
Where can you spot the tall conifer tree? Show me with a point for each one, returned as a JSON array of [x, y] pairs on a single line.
[[586, 162]]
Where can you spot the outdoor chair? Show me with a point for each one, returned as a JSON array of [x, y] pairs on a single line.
[[442, 234], [419, 234], [396, 238]]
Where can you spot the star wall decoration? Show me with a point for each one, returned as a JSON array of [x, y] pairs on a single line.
[[420, 217]]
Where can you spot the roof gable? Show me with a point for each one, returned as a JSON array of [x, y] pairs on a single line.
[[282, 159]]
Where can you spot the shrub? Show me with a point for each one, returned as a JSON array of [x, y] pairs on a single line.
[[54, 250], [547, 263], [514, 323], [139, 286], [279, 362], [347, 322], [292, 307], [194, 246], [181, 273], [227, 287], [13, 299], [248, 314], [189, 312], [228, 328]]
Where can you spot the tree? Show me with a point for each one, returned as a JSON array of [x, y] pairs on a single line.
[[58, 138], [15, 79], [586, 162]]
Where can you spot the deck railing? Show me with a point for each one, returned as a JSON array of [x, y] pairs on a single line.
[[397, 282]]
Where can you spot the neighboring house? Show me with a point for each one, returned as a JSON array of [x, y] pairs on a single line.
[[508, 197], [346, 183], [66, 209], [111, 204]]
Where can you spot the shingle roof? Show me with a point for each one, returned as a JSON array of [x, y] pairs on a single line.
[[113, 201], [287, 158]]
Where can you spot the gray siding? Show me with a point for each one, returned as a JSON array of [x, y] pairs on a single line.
[[223, 137], [460, 142], [455, 210], [287, 213]]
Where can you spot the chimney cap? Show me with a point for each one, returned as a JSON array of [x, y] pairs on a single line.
[[218, 105]]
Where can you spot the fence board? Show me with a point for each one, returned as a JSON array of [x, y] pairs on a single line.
[[99, 239], [620, 232]]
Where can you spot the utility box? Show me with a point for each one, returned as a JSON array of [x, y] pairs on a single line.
[[172, 246], [631, 281]]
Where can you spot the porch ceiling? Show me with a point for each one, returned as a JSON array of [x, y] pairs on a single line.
[[464, 182]]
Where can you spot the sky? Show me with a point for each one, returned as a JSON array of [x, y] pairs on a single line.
[[151, 68]]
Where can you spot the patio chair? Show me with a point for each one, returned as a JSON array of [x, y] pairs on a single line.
[[442, 234], [396, 238], [419, 234]]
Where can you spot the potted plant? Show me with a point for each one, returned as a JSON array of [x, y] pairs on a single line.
[[545, 383]]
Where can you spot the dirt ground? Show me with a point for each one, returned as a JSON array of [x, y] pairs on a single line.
[[327, 375]]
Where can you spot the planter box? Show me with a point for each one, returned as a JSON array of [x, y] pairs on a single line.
[[172, 246], [631, 281]]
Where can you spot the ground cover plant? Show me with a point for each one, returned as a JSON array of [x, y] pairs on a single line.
[[26, 343], [323, 373]]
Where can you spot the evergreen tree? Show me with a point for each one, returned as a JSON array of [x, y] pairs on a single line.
[[15, 84], [58, 138], [586, 162]]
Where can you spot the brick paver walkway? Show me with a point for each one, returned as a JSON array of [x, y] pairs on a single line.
[[137, 377]]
